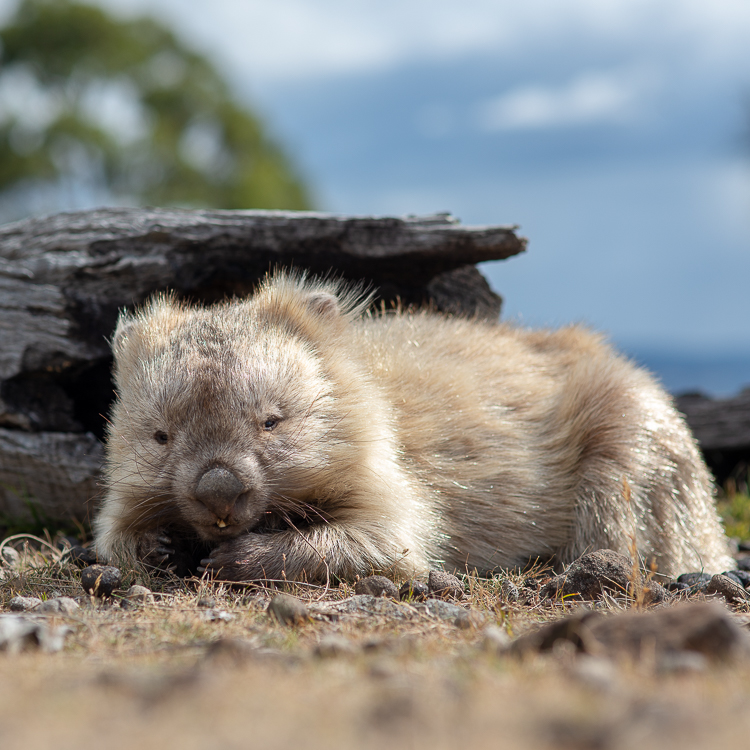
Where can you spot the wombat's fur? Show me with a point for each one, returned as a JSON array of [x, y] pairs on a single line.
[[289, 435]]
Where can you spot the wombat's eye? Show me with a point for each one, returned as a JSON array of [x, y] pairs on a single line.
[[161, 437], [270, 423]]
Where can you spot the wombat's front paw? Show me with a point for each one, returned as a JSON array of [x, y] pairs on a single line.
[[155, 550], [235, 561]]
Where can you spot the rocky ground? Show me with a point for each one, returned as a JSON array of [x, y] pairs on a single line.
[[602, 657]]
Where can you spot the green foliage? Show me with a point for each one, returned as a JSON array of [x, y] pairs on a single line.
[[735, 513], [124, 105]]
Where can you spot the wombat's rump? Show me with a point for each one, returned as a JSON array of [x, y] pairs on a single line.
[[295, 437]]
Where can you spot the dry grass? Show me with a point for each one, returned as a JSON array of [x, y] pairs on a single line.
[[178, 674]]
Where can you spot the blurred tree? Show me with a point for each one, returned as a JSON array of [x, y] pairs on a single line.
[[121, 109]]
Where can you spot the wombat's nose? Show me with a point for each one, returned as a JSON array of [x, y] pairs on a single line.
[[218, 489]]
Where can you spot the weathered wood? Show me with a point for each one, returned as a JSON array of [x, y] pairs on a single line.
[[718, 424], [49, 476], [722, 428], [63, 279]]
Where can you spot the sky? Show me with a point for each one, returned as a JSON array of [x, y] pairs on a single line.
[[616, 133]]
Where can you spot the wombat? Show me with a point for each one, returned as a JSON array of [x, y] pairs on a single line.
[[295, 435]]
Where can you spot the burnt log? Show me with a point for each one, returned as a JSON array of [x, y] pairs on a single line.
[[63, 279], [722, 429]]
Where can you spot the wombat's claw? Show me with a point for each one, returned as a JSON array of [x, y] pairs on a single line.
[[156, 550], [205, 565]]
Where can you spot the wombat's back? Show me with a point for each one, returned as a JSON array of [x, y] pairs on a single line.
[[526, 441]]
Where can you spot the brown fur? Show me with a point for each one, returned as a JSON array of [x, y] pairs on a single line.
[[399, 442]]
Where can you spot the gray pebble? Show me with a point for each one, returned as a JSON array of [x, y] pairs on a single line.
[[60, 605], [288, 610], [139, 595], [10, 558], [376, 586], [101, 580], [24, 603], [696, 581], [444, 585], [440, 609], [413, 591]]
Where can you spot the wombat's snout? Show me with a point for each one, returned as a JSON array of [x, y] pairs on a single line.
[[218, 489]]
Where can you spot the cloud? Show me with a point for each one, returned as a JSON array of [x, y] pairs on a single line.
[[589, 98], [298, 39]]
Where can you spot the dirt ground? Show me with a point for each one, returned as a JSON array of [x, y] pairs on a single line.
[[203, 667]]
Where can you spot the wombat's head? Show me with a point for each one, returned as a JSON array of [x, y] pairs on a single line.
[[227, 417]]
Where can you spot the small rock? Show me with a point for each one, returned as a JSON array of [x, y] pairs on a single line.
[[444, 585], [365, 604], [206, 602], [60, 605], [101, 580], [743, 563], [655, 593], [676, 587], [24, 603], [743, 576], [10, 558], [705, 627], [334, 644], [288, 610], [495, 639], [376, 586], [591, 575], [732, 591], [18, 633], [139, 595], [413, 591], [733, 575], [696, 581], [440, 609]]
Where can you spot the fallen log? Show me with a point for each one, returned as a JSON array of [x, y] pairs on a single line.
[[64, 277], [722, 428]]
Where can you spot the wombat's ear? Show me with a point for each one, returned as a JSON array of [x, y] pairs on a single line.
[[324, 304], [126, 324]]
